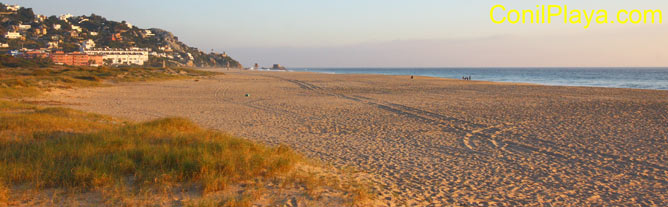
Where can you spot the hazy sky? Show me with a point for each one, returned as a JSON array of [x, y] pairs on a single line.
[[386, 33]]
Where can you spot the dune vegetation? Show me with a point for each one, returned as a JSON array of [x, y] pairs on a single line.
[[20, 82], [63, 153]]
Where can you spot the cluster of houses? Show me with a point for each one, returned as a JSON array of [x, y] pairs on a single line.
[[97, 56], [53, 36], [19, 31], [89, 55]]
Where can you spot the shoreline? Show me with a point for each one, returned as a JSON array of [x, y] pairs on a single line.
[[496, 81]]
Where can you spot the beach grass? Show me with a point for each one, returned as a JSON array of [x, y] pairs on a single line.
[[45, 148], [63, 148], [30, 82]]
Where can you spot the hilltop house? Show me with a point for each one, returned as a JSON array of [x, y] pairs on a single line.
[[41, 31], [53, 44], [13, 35], [132, 56], [12, 7], [56, 26], [165, 48], [24, 26], [40, 18], [148, 33], [116, 37], [65, 17], [88, 44], [77, 28]]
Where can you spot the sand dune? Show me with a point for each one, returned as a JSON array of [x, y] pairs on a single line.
[[433, 141]]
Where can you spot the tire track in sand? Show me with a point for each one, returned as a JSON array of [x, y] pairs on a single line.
[[470, 131]]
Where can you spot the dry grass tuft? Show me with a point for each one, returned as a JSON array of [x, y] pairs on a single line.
[[361, 194], [4, 193]]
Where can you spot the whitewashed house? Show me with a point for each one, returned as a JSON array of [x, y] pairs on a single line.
[[77, 28], [88, 44], [12, 7], [148, 33], [132, 56], [13, 35], [53, 45], [65, 17], [24, 27]]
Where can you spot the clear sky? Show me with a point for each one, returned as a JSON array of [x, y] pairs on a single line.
[[387, 33]]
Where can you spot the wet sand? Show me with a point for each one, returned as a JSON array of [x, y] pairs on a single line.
[[430, 141]]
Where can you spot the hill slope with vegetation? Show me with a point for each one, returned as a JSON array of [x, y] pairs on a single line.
[[67, 33]]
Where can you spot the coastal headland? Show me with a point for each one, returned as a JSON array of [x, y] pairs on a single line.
[[431, 141]]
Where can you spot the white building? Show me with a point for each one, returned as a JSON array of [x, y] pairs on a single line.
[[24, 26], [132, 56], [56, 26], [77, 28], [165, 48], [65, 17], [13, 35], [4, 45], [93, 33], [12, 7], [148, 33], [88, 44], [53, 44], [40, 18]]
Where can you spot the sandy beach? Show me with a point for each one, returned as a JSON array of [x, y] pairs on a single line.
[[431, 141]]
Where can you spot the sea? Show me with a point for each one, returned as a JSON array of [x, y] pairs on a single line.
[[639, 78]]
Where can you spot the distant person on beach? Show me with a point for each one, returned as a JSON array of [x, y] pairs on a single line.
[[411, 77], [469, 78]]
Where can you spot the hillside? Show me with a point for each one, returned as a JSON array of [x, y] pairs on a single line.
[[67, 33]]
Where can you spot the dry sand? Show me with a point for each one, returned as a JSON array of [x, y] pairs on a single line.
[[429, 141]]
